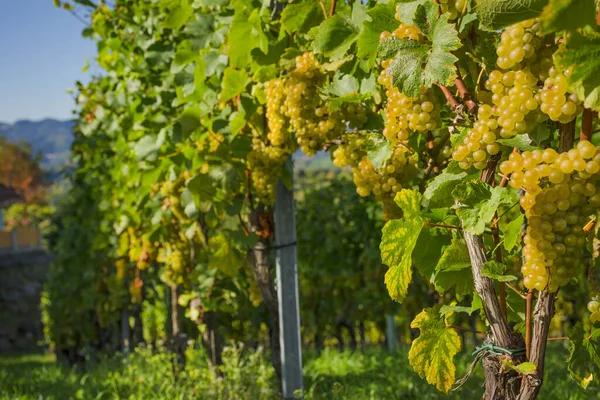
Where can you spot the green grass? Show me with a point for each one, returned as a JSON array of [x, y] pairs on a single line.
[[246, 374]]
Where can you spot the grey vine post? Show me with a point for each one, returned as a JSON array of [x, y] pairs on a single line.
[[391, 333], [125, 331], [287, 292]]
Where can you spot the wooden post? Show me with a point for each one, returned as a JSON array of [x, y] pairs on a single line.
[[391, 333], [15, 240], [125, 331], [287, 292]]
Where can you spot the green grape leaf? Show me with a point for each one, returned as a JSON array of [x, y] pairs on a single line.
[[432, 353], [398, 241], [581, 54], [445, 309], [512, 232], [478, 202], [522, 142], [222, 256], [234, 83], [525, 368], [381, 18], [454, 270], [497, 14], [334, 36], [497, 270], [408, 9], [189, 120], [147, 147], [422, 64], [179, 15], [427, 252], [300, 17], [343, 86], [584, 356], [379, 150], [243, 35], [438, 193], [560, 15], [237, 122]]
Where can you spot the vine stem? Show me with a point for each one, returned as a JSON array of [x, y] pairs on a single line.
[[528, 323], [323, 8], [586, 125], [442, 225], [449, 97], [465, 94], [554, 339], [332, 9], [460, 328]]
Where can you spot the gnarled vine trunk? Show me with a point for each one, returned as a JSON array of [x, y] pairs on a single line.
[[259, 256]]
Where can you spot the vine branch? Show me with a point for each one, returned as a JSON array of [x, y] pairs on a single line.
[[587, 120]]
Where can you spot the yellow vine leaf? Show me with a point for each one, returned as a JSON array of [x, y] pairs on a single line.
[[432, 353], [223, 256], [399, 238]]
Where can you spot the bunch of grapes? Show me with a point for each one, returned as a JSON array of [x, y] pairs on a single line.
[[265, 163], [453, 9], [514, 102], [276, 120], [560, 195], [350, 152], [405, 115], [384, 182], [593, 307], [519, 43], [174, 259], [310, 117], [556, 102]]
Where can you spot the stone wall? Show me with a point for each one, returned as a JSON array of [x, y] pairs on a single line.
[[22, 275]]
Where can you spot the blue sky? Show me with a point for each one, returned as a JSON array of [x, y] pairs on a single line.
[[41, 56]]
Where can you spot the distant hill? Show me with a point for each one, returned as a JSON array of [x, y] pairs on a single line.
[[51, 137]]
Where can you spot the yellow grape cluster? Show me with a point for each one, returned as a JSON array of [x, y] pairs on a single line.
[[384, 182], [277, 122], [453, 8], [405, 115], [556, 102], [174, 259], [293, 104], [593, 307], [265, 163], [519, 43], [560, 195], [310, 117], [513, 102]]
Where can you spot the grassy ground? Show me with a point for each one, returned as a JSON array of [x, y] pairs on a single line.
[[246, 375]]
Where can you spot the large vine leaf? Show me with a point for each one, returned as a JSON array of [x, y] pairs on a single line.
[[381, 18], [334, 36], [398, 242], [582, 55], [497, 14], [478, 203], [419, 64], [427, 252], [432, 353], [561, 15], [439, 191], [300, 17], [584, 355], [234, 82], [454, 270]]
